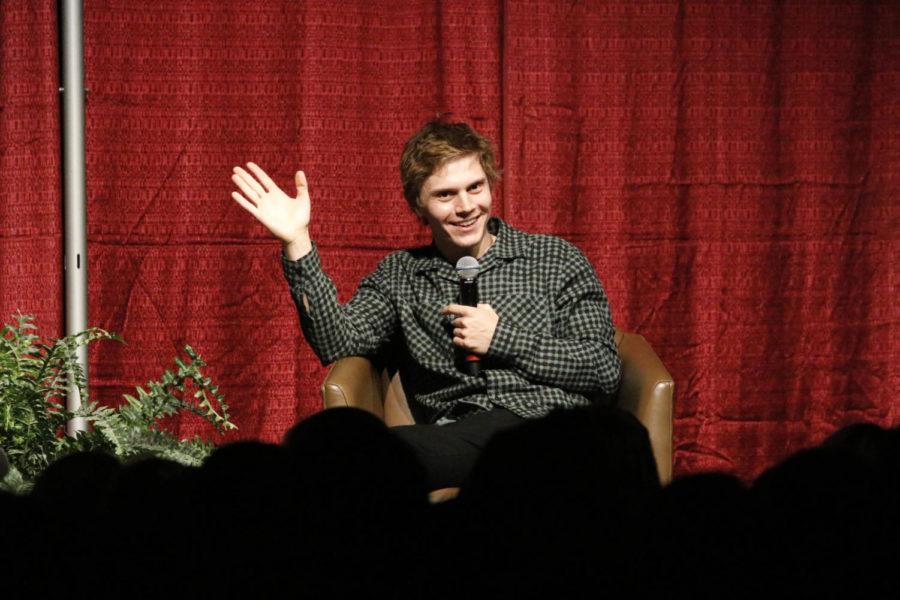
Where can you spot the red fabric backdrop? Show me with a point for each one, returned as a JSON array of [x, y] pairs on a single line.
[[31, 277], [729, 167]]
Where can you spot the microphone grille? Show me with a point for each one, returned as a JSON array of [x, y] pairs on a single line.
[[467, 267]]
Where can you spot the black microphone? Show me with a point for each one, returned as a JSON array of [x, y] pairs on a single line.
[[467, 267]]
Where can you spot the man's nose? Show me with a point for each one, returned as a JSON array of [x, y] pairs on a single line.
[[464, 202]]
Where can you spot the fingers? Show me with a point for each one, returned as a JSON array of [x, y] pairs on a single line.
[[245, 181], [473, 327], [249, 206], [470, 346], [266, 181], [460, 310]]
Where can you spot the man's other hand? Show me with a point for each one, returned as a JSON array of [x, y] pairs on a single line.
[[473, 327]]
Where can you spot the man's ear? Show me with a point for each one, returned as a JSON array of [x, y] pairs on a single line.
[[417, 210]]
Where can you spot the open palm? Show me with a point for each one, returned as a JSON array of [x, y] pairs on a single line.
[[287, 218]]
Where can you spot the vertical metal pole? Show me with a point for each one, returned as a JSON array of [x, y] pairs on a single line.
[[74, 187]]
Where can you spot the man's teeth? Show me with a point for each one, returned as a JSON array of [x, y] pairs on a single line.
[[466, 223]]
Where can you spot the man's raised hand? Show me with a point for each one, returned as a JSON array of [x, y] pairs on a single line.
[[285, 217]]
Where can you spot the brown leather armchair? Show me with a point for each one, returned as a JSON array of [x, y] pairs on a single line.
[[646, 391]]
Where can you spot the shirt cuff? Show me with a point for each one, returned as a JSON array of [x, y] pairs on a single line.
[[297, 272], [509, 343]]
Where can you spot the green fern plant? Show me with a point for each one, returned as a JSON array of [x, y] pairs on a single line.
[[34, 382]]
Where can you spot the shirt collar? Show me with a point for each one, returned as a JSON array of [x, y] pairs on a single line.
[[510, 243]]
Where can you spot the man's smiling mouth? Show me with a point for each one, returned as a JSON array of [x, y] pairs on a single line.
[[466, 223]]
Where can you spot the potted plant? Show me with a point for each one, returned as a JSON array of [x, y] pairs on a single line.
[[34, 381]]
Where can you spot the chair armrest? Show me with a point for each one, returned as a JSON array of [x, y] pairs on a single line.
[[646, 391], [353, 381]]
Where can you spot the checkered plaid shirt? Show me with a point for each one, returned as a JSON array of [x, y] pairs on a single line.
[[553, 347]]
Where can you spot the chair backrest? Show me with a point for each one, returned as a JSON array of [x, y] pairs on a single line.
[[647, 391]]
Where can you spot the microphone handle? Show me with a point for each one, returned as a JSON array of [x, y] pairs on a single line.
[[472, 365], [468, 296], [468, 292]]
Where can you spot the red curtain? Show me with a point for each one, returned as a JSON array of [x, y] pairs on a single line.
[[730, 168], [31, 276]]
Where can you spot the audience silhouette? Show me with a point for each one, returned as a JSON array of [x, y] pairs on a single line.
[[569, 505]]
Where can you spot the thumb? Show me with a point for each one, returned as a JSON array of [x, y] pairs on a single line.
[[300, 182]]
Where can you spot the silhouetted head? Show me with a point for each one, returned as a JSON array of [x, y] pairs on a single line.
[[349, 456], [77, 481], [823, 515], [362, 495], [569, 458]]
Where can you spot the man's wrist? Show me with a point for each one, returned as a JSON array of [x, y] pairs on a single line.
[[298, 248], [506, 343]]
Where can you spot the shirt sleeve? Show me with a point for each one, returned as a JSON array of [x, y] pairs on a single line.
[[358, 328], [579, 354]]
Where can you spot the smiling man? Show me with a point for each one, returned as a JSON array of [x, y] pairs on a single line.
[[542, 329]]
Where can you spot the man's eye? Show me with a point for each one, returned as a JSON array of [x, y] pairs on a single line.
[[476, 187]]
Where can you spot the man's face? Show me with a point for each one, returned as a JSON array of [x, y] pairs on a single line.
[[455, 201]]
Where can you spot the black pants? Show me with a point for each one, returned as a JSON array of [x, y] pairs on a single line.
[[449, 452]]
